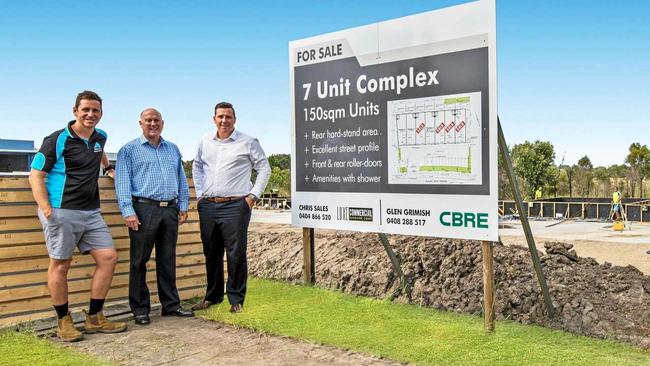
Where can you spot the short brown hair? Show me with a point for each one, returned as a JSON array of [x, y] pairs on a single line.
[[225, 105], [87, 94]]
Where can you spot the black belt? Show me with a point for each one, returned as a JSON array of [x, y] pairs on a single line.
[[170, 203]]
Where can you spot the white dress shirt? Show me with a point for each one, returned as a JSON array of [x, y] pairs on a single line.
[[222, 168]]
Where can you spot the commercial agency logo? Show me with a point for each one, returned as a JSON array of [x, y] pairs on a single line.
[[464, 219], [98, 147], [354, 213]]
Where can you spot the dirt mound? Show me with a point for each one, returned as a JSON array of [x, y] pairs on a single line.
[[593, 299]]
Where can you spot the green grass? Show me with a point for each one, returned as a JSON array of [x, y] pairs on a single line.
[[21, 348], [411, 333]]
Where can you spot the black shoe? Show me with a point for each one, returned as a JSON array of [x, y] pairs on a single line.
[[142, 319], [178, 312]]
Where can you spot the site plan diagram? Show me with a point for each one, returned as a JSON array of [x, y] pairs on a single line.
[[435, 140]]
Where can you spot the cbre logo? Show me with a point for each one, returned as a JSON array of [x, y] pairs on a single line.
[[464, 219]]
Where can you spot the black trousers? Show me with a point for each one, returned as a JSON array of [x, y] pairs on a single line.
[[224, 227], [159, 228]]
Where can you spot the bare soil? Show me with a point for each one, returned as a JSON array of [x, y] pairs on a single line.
[[591, 298], [194, 341]]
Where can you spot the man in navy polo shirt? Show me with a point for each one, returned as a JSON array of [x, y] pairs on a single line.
[[64, 184]]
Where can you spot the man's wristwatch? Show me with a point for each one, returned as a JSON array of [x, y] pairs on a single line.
[[253, 197], [108, 168]]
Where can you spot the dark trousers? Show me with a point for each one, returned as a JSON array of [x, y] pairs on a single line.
[[224, 227], [159, 228]]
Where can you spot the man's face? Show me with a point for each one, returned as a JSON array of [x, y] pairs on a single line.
[[224, 119], [152, 124], [88, 113]]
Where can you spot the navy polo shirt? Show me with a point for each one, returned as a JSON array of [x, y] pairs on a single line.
[[72, 165]]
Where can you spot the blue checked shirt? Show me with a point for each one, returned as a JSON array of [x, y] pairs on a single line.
[[142, 170]]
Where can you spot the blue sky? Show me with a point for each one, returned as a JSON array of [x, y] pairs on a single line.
[[576, 73]]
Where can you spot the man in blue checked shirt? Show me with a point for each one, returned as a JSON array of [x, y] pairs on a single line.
[[153, 196]]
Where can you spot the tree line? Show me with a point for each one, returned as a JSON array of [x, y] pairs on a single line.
[[534, 166], [533, 163]]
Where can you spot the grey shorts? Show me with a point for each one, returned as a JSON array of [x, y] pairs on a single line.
[[66, 229]]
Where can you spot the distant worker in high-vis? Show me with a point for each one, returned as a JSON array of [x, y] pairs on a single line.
[[538, 193], [64, 183], [616, 204]]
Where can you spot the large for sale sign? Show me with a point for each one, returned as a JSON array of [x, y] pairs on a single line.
[[395, 126]]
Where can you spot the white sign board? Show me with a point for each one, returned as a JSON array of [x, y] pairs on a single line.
[[395, 126]]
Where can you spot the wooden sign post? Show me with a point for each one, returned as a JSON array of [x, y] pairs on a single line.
[[488, 286], [308, 258]]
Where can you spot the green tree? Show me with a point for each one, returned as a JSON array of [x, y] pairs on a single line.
[[187, 166], [563, 186], [531, 161], [639, 160], [282, 161], [505, 192], [279, 182], [603, 177], [618, 172], [549, 188], [584, 175]]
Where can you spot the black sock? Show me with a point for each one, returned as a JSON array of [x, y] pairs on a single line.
[[61, 310], [96, 306]]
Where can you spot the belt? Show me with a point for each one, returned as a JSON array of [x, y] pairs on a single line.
[[170, 203], [223, 199]]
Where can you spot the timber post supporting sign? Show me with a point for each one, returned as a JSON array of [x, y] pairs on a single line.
[[394, 126], [488, 285], [309, 257]]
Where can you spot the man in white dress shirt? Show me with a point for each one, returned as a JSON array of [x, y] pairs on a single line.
[[222, 179]]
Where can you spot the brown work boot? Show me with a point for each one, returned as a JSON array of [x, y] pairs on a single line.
[[66, 330], [99, 323]]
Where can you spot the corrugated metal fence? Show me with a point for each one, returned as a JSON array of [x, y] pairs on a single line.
[[23, 257]]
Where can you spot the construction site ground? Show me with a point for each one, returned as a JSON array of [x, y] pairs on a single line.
[[598, 278], [275, 252], [589, 239], [593, 239]]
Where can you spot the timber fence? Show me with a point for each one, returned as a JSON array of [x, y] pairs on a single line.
[[23, 257]]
